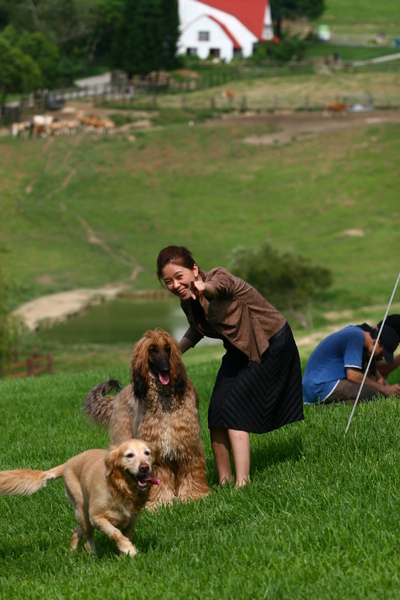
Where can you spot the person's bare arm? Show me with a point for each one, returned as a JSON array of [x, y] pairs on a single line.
[[356, 376], [386, 368]]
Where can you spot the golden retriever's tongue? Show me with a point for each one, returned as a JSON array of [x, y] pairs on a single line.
[[163, 378], [152, 480]]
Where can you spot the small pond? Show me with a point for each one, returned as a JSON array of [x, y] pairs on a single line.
[[118, 321]]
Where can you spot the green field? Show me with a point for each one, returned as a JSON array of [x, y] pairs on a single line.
[[87, 210], [362, 16], [319, 519]]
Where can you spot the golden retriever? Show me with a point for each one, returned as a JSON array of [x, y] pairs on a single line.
[[161, 406], [107, 490]]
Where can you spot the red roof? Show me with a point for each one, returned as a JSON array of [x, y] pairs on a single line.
[[249, 12], [228, 33]]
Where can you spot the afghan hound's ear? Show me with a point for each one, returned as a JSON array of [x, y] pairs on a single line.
[[181, 382], [112, 460], [156, 454], [140, 370], [178, 370]]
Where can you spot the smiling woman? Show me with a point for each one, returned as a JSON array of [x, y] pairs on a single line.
[[258, 387]]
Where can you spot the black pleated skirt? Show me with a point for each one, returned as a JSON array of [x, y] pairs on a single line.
[[258, 397]]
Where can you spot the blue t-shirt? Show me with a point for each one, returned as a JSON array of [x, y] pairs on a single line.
[[329, 361]]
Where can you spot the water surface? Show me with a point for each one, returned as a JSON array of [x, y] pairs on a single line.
[[118, 321]]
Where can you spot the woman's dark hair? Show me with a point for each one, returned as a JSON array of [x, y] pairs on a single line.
[[178, 255]]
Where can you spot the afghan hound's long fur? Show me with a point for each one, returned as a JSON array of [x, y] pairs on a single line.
[[106, 488], [160, 406]]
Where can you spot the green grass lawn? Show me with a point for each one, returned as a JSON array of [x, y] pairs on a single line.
[[348, 53], [319, 519]]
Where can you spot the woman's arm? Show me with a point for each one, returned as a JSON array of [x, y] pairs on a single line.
[[185, 344]]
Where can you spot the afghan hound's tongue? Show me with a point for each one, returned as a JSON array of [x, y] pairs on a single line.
[[164, 378]]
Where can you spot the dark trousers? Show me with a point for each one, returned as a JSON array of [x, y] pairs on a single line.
[[346, 392]]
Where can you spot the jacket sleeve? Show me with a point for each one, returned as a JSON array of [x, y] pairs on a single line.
[[222, 281], [193, 336]]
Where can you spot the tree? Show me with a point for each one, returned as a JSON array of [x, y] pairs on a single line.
[[75, 26], [169, 32], [290, 282], [146, 36], [294, 9], [44, 53], [18, 71]]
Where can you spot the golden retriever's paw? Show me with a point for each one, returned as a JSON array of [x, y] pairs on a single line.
[[89, 546], [127, 550], [75, 539]]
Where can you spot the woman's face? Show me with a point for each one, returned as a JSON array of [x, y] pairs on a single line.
[[178, 279]]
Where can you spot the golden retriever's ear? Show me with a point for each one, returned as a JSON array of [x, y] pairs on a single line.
[[112, 459]]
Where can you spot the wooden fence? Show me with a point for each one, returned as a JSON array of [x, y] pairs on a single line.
[[29, 364]]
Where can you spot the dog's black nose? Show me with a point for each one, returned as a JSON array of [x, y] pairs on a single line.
[[144, 468]]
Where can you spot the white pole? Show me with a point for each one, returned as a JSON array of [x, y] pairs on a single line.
[[372, 354]]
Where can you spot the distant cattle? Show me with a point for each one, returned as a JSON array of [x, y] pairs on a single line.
[[228, 95], [336, 108], [21, 129]]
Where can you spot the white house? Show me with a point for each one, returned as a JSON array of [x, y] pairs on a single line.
[[223, 29]]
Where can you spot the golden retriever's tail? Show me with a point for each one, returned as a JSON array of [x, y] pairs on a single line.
[[25, 482], [96, 406]]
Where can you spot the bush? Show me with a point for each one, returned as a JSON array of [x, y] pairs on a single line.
[[289, 49], [289, 281]]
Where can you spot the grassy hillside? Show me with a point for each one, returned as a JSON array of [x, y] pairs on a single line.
[[89, 210], [85, 211], [362, 16]]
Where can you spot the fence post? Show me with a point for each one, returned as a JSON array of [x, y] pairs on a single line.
[[212, 102], [29, 367], [244, 103], [51, 363]]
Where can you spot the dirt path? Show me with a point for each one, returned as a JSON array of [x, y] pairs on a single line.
[[58, 307], [301, 126]]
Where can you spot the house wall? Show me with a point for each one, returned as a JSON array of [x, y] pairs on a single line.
[[218, 39], [190, 12]]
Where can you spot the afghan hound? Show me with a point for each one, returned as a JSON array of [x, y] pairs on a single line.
[[160, 406], [107, 490]]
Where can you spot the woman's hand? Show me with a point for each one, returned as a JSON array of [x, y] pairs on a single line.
[[198, 288]]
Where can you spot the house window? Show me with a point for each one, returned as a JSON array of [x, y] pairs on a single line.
[[268, 33], [215, 52], [204, 36], [191, 51]]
